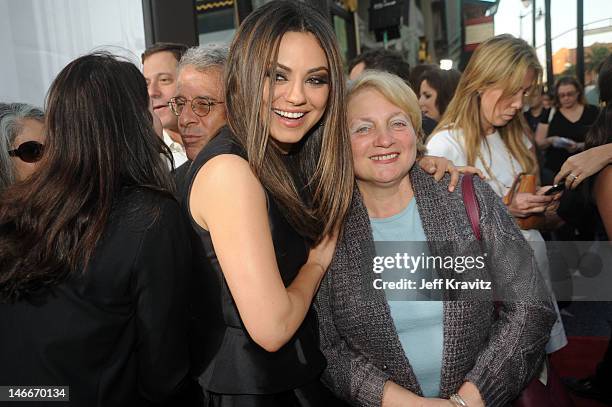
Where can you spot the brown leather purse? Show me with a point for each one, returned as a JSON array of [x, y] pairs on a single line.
[[525, 183]]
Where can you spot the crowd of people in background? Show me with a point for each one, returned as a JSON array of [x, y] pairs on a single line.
[[201, 232]]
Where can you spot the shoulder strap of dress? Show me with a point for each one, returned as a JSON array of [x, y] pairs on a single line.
[[223, 143]]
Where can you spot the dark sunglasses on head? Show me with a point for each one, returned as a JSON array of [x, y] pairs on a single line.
[[30, 151]]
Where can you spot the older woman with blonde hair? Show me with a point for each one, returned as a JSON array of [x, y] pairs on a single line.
[[382, 347], [483, 127]]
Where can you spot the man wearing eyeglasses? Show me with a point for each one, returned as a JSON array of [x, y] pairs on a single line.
[[159, 67], [199, 103]]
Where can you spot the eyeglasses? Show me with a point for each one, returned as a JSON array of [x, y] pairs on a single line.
[[567, 95], [200, 106], [29, 152]]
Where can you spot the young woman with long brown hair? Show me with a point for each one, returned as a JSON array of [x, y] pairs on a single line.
[[94, 253], [265, 196]]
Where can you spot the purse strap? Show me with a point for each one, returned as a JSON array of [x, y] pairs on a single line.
[[471, 204], [509, 197]]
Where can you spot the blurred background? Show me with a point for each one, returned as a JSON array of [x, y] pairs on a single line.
[[38, 37]]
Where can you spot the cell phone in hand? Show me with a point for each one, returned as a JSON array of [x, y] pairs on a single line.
[[556, 188]]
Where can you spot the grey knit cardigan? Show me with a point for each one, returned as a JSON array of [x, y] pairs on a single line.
[[500, 355]]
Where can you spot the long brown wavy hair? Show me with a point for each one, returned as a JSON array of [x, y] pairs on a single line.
[[99, 141], [501, 61], [324, 157]]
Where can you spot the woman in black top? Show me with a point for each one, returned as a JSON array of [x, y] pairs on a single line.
[[265, 197], [93, 249], [536, 111], [563, 134], [264, 240]]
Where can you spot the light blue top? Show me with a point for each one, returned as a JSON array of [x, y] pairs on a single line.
[[419, 324]]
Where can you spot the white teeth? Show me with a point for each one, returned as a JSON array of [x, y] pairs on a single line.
[[289, 115], [384, 157]]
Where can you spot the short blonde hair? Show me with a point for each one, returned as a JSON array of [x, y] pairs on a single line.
[[396, 91]]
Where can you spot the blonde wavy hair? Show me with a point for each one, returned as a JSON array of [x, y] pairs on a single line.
[[500, 62], [396, 91]]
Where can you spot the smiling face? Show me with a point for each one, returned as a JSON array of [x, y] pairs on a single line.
[[301, 89], [382, 139], [427, 101], [497, 110], [159, 70]]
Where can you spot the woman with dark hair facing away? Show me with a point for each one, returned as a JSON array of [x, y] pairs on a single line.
[[94, 251], [436, 89], [561, 133], [266, 196], [21, 141]]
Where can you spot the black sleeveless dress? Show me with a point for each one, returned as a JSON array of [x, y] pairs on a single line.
[[233, 370]]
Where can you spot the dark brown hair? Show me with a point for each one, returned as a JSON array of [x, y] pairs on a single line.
[[383, 60], [100, 140], [415, 75], [601, 131], [175, 49], [444, 82], [569, 80], [323, 158]]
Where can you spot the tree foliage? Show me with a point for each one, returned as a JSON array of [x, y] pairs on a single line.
[[594, 58]]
